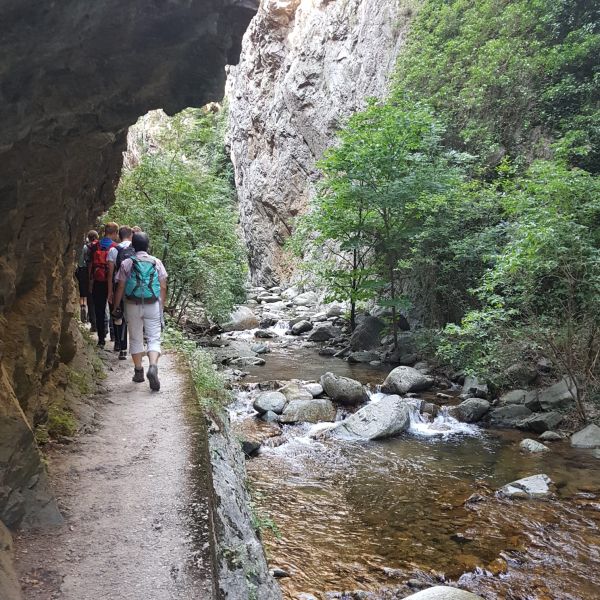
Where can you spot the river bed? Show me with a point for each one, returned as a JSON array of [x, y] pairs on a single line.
[[371, 516]]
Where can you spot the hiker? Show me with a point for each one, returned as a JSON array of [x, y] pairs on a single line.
[[116, 256], [98, 272], [142, 281], [81, 274], [92, 237]]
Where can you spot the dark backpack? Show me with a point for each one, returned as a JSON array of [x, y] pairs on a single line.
[[122, 254], [100, 262]]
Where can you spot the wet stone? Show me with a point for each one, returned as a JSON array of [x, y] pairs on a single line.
[[532, 447]]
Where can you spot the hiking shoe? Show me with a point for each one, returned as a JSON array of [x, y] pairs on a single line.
[[101, 343], [117, 347], [123, 356], [152, 376], [83, 314], [138, 375]]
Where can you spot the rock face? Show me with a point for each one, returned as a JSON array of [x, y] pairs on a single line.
[[377, 420], [406, 379], [9, 584], [304, 67], [74, 77]]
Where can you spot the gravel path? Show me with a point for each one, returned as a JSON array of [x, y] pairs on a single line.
[[134, 497]]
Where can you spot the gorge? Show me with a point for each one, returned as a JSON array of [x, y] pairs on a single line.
[[497, 312]]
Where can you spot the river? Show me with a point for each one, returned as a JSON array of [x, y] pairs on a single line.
[[371, 516]]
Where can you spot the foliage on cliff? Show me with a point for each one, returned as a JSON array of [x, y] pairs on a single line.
[[178, 190], [492, 221], [510, 77]]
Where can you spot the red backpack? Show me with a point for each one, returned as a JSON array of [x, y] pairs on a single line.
[[100, 262]]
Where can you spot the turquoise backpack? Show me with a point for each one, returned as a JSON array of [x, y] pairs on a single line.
[[143, 284]]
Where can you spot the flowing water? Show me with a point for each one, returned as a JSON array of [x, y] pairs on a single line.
[[369, 516]]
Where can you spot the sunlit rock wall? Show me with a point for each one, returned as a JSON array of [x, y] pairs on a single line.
[[73, 76], [305, 66]]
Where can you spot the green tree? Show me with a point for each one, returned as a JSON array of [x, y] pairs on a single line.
[[389, 157], [543, 290], [509, 76]]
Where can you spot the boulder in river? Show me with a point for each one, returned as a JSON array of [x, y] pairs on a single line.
[[294, 391], [363, 356], [301, 327], [388, 417], [474, 388], [532, 447], [268, 321], [406, 379], [512, 397], [367, 334], [535, 486], [508, 416], [264, 334], [442, 592], [551, 436], [270, 417], [472, 410], [305, 299], [588, 437], [248, 361], [343, 389], [314, 410], [323, 333], [334, 310], [558, 396], [316, 389], [540, 422], [241, 318], [260, 348], [270, 401]]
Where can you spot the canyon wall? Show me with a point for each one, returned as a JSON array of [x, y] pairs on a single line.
[[305, 66], [73, 76]]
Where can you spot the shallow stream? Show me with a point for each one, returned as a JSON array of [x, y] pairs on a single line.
[[371, 516]]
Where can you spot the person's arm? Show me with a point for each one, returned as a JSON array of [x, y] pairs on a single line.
[[119, 293], [163, 293]]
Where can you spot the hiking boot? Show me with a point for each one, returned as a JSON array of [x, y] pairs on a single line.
[[152, 376], [117, 347], [101, 343], [123, 356], [138, 375]]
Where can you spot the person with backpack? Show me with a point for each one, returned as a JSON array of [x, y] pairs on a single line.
[[142, 283], [98, 272], [116, 256], [83, 280]]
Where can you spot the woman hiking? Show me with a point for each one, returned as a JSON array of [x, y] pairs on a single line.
[[142, 283]]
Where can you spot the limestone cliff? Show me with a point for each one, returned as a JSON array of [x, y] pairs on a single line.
[[73, 76], [305, 66]]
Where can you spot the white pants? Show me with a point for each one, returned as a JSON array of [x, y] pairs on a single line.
[[143, 318]]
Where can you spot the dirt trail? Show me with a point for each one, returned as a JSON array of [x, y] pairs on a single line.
[[134, 498]]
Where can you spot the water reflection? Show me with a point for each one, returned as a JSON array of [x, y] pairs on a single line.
[[350, 512]]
